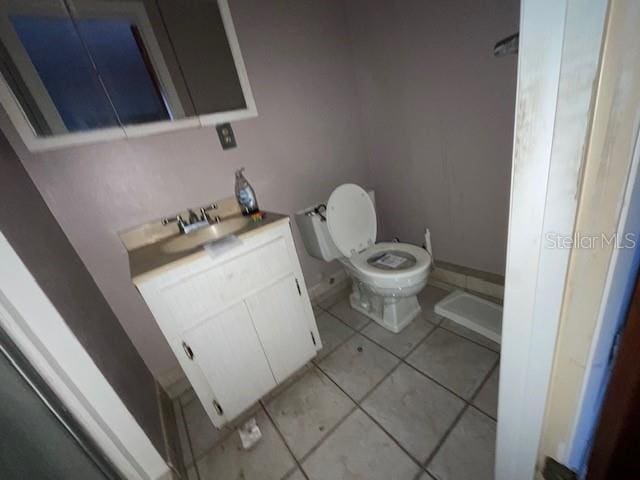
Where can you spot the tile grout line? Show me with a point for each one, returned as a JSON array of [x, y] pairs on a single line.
[[284, 440], [403, 359], [437, 382], [457, 395], [466, 338], [412, 349], [485, 380], [377, 384], [360, 407], [357, 404], [339, 294], [288, 383], [415, 347], [482, 384], [328, 311], [467, 403], [328, 433], [462, 412], [420, 474], [439, 324], [251, 411], [357, 330], [260, 402], [315, 361], [343, 297], [405, 355], [438, 446]]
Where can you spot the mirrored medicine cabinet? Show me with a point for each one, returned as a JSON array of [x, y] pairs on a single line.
[[81, 71]]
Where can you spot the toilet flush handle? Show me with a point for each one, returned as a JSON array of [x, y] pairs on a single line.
[[321, 210]]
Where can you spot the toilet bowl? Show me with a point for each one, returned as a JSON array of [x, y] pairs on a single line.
[[386, 276]]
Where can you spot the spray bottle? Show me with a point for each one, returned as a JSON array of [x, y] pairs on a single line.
[[245, 195]]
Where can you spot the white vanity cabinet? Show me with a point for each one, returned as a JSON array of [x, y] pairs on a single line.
[[239, 323]]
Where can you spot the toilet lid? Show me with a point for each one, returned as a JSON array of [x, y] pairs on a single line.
[[351, 219]]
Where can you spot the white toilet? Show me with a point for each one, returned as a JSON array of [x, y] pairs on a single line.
[[386, 276]]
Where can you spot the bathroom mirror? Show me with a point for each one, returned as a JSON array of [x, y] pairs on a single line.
[[76, 71]]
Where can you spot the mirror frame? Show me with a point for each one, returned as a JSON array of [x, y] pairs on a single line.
[[35, 143]]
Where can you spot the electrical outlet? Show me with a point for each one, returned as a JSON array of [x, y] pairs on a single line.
[[226, 136]]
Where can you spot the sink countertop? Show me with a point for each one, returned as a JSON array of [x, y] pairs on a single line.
[[152, 259]]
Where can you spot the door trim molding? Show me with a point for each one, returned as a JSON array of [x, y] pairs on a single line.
[[618, 291], [38, 330], [560, 43]]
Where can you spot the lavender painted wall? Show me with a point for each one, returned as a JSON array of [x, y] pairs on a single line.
[[41, 244], [305, 142], [420, 88], [438, 111]]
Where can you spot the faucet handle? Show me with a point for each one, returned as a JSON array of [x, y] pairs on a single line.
[[177, 219], [168, 220], [204, 215], [211, 206]]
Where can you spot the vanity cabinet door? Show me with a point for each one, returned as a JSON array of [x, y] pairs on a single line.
[[228, 352], [279, 318]]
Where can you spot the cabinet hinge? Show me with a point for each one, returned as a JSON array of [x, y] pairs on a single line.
[[298, 286], [187, 350], [218, 408], [313, 338]]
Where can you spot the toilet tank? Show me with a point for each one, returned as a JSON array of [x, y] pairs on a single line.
[[315, 233]]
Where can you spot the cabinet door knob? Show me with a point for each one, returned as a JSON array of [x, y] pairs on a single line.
[[218, 408], [187, 350]]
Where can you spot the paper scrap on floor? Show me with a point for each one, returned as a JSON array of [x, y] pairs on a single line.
[[390, 260], [249, 433]]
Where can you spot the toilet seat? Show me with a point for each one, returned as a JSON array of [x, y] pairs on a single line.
[[386, 277], [351, 219], [373, 273]]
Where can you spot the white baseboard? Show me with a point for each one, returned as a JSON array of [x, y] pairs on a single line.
[[451, 277], [441, 285]]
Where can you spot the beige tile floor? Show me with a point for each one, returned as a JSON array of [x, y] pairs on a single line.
[[372, 405]]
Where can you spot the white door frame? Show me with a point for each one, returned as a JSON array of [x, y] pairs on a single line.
[[617, 294], [38, 330], [602, 276], [559, 52]]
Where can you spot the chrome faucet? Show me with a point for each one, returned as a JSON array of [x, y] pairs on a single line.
[[204, 215], [194, 222], [177, 219]]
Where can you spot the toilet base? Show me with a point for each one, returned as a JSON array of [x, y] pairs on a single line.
[[392, 313]]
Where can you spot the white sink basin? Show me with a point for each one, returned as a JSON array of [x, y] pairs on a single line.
[[204, 235]]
